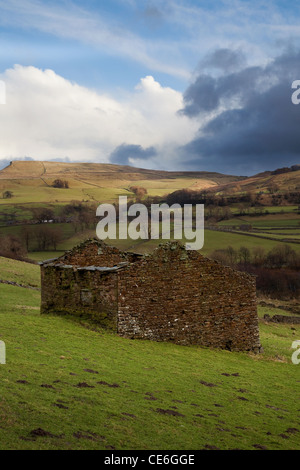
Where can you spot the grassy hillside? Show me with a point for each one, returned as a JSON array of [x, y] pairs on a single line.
[[31, 182], [19, 272], [286, 181], [67, 386]]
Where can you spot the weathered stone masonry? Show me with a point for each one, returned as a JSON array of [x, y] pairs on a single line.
[[76, 284], [171, 295]]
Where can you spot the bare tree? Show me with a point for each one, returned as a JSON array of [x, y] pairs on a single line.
[[42, 214], [11, 246], [27, 235]]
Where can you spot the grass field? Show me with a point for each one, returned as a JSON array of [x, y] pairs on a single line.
[[287, 219], [220, 240], [213, 240], [68, 386]]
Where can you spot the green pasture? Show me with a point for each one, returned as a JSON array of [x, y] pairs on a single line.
[[70, 385]]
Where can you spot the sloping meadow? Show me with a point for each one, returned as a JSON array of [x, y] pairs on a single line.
[[68, 385]]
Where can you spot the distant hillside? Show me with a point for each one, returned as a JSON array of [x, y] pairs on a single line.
[[37, 169], [282, 179], [32, 181]]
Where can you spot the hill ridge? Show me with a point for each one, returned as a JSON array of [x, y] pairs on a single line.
[[47, 168]]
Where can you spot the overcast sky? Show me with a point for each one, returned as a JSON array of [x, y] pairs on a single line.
[[166, 84]]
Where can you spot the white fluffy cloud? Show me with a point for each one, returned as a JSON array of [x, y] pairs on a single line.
[[47, 116]]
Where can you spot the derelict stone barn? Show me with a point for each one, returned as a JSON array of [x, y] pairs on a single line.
[[173, 294]]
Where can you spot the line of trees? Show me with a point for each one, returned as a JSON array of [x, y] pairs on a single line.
[[44, 233], [37, 238], [41, 238], [277, 271], [81, 216], [247, 199], [281, 256]]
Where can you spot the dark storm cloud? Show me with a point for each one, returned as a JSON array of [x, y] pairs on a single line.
[[207, 93], [124, 152], [259, 128], [224, 59]]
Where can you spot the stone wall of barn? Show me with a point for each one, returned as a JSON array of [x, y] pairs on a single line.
[[171, 295], [81, 292], [180, 296], [96, 253]]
